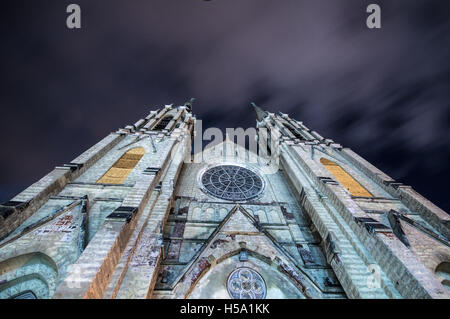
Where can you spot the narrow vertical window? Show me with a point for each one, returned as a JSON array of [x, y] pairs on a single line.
[[123, 167], [294, 131], [345, 179], [163, 123]]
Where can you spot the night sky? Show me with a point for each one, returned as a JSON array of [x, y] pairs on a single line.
[[384, 93]]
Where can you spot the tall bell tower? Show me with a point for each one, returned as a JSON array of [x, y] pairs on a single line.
[[76, 232], [381, 238]]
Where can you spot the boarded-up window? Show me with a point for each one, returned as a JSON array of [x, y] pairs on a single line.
[[345, 179], [123, 167]]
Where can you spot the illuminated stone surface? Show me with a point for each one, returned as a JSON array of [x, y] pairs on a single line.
[[135, 217]]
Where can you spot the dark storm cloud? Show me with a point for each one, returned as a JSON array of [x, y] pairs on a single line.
[[385, 93]]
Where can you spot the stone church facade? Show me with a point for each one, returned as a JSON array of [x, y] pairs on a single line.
[[136, 216]]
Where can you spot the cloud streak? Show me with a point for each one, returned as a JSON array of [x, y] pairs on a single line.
[[384, 93]]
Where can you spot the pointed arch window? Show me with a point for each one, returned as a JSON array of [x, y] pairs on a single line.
[[345, 179], [123, 167]]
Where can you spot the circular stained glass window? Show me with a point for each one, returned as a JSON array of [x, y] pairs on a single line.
[[245, 283], [232, 182]]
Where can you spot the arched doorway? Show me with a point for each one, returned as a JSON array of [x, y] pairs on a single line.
[[226, 281], [443, 272], [29, 276]]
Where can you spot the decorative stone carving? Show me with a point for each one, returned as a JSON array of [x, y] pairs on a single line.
[[246, 283], [231, 182]]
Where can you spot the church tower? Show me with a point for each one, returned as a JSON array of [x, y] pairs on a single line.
[[138, 215]]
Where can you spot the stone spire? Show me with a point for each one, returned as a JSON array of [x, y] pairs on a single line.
[[189, 104], [260, 113]]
